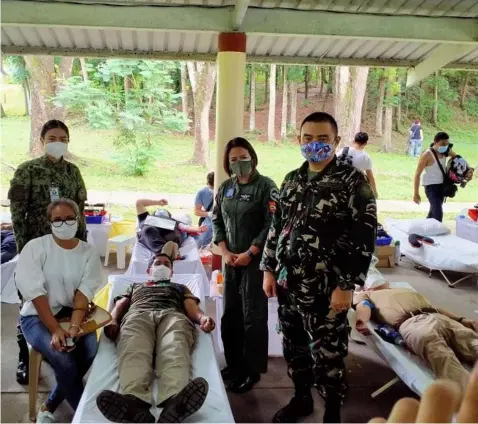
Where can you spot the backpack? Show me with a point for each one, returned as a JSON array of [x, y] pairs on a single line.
[[345, 158]]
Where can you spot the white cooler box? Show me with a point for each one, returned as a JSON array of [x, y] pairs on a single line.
[[467, 228], [275, 338]]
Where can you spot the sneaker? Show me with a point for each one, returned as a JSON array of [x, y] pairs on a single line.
[[299, 407], [22, 373], [45, 417], [187, 402], [124, 408]]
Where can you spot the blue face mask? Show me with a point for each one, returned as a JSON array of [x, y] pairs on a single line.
[[442, 149], [317, 151]]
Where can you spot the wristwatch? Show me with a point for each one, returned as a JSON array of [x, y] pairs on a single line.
[[249, 253], [460, 320]]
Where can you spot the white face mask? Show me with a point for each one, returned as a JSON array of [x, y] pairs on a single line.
[[160, 273], [65, 232], [56, 149]]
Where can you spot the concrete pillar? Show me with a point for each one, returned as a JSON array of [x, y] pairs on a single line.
[[231, 71]]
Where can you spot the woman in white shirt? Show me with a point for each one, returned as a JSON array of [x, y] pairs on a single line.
[[57, 276]]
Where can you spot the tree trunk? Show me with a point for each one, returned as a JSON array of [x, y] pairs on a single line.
[[184, 93], [285, 92], [306, 82], [26, 97], [463, 90], [364, 106], [266, 87], [389, 101], [379, 114], [252, 101], [42, 71], [350, 86], [203, 78], [293, 106], [64, 71], [84, 69], [359, 81], [322, 79], [272, 104], [2, 112], [435, 103]]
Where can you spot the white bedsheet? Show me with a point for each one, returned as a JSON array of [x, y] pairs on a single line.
[[104, 374], [412, 370], [191, 265], [9, 289], [450, 253]]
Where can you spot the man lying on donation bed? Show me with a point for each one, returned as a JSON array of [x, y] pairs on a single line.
[[434, 334], [160, 228], [153, 323]]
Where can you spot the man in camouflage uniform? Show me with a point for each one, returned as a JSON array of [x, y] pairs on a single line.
[[34, 186], [319, 246]]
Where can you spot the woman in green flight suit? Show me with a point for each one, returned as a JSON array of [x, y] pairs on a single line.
[[242, 216]]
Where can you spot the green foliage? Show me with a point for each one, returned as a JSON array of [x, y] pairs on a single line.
[[17, 70], [139, 104], [471, 107]]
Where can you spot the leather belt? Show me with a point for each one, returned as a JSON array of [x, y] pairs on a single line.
[[421, 311]]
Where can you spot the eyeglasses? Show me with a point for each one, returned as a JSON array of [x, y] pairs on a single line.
[[59, 223]]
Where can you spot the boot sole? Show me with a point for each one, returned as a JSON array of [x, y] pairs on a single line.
[[187, 402], [115, 409]]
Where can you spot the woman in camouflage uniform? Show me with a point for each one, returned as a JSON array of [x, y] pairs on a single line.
[[34, 186]]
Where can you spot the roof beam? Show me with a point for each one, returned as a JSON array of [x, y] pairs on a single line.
[[258, 21], [441, 56], [211, 57], [239, 13]]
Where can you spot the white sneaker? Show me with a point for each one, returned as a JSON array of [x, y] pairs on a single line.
[[45, 417]]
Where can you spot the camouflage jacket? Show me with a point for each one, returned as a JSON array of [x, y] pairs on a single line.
[[29, 196], [323, 231]]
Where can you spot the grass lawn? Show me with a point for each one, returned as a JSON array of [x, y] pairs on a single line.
[[172, 173]]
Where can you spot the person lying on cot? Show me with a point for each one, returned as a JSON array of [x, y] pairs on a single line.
[[153, 237], [434, 334], [156, 328], [9, 246]]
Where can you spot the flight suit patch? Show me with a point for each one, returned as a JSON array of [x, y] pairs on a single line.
[[272, 206], [245, 198], [230, 193], [274, 194]]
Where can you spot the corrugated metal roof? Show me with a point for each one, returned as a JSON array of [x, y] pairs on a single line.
[[440, 8], [84, 40]]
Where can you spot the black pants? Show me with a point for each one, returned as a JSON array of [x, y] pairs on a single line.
[[436, 197], [244, 330], [24, 354]]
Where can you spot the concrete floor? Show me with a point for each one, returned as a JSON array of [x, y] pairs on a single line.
[[366, 371]]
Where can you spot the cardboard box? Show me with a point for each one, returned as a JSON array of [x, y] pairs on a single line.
[[385, 256]]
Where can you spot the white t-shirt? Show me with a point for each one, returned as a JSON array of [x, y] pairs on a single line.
[[360, 158], [44, 268]]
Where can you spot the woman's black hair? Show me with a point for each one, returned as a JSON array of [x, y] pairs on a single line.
[[53, 124], [239, 142]]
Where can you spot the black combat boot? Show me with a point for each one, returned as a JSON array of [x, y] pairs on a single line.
[[332, 410], [300, 406], [23, 358]]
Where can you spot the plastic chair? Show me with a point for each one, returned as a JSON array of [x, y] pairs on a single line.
[[35, 360], [120, 243]]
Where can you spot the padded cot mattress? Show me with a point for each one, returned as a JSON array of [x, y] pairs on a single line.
[[449, 253], [104, 373], [191, 265]]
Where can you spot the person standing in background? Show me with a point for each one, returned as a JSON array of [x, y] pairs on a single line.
[[242, 216], [35, 184], [356, 156], [319, 247], [416, 138], [203, 208]]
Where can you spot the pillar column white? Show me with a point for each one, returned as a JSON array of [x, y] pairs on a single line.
[[231, 71]]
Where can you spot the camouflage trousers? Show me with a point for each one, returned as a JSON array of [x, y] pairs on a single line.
[[315, 343]]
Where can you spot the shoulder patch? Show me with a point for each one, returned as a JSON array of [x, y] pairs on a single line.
[[82, 196], [18, 193], [274, 194]]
